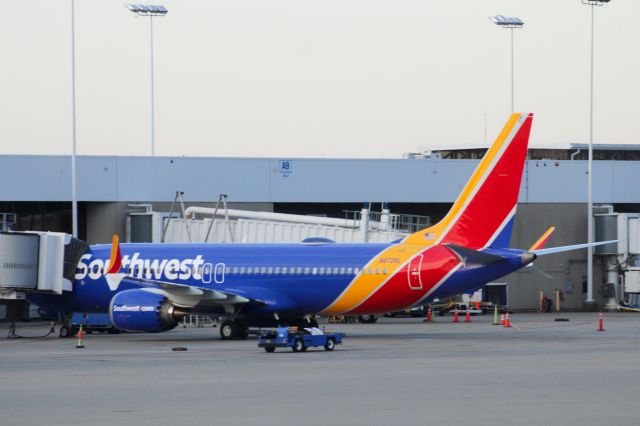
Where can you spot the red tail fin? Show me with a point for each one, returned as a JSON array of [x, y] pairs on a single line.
[[483, 213]]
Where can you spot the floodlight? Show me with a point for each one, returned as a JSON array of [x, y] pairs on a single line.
[[147, 9], [507, 21]]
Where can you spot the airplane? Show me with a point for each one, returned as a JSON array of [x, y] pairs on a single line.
[[151, 287]]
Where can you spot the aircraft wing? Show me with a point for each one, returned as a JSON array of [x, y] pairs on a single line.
[[190, 296], [542, 252]]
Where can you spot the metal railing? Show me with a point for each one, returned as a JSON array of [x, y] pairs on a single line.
[[383, 221]]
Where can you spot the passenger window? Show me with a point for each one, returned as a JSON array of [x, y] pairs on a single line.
[[349, 271], [306, 271], [277, 270], [249, 270], [356, 271], [270, 271], [370, 271], [299, 270], [242, 270], [314, 271], [292, 271], [235, 270], [342, 271], [377, 271], [384, 271], [263, 270], [321, 270]]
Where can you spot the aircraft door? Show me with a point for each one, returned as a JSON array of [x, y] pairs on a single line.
[[218, 275], [207, 271], [414, 275]]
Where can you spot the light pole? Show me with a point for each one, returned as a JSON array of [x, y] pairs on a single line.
[[150, 11], [511, 23], [74, 198], [590, 300]]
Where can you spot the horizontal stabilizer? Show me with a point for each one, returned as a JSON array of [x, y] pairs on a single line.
[[551, 250], [468, 255]]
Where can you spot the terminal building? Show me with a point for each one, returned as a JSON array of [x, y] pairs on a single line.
[[135, 196]]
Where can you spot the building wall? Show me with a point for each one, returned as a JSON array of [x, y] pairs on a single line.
[[569, 269], [145, 179]]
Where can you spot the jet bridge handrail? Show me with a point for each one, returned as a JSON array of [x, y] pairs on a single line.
[[281, 217]]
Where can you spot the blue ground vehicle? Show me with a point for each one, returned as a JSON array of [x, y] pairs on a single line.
[[298, 340]]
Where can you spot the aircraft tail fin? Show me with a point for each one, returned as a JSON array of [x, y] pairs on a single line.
[[115, 261], [113, 276], [482, 215]]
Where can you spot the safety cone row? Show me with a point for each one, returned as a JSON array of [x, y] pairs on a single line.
[[80, 336], [456, 318], [600, 321], [467, 318]]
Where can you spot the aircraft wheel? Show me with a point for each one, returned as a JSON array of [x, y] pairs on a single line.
[[367, 319], [227, 330], [270, 349]]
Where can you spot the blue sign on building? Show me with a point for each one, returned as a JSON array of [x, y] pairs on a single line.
[[285, 168]]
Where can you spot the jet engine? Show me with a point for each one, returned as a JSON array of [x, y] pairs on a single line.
[[141, 310]]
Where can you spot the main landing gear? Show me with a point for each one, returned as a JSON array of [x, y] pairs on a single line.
[[233, 330]]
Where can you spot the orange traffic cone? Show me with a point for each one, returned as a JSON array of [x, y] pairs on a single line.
[[507, 321], [456, 318], [80, 336], [501, 319], [467, 318], [601, 327]]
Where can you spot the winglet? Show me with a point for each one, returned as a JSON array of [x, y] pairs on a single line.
[[113, 275], [543, 239]]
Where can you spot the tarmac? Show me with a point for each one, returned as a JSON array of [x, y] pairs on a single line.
[[399, 371]]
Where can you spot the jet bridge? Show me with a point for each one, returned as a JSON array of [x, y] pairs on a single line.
[[43, 262]]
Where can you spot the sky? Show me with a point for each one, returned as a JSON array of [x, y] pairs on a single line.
[[303, 78]]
